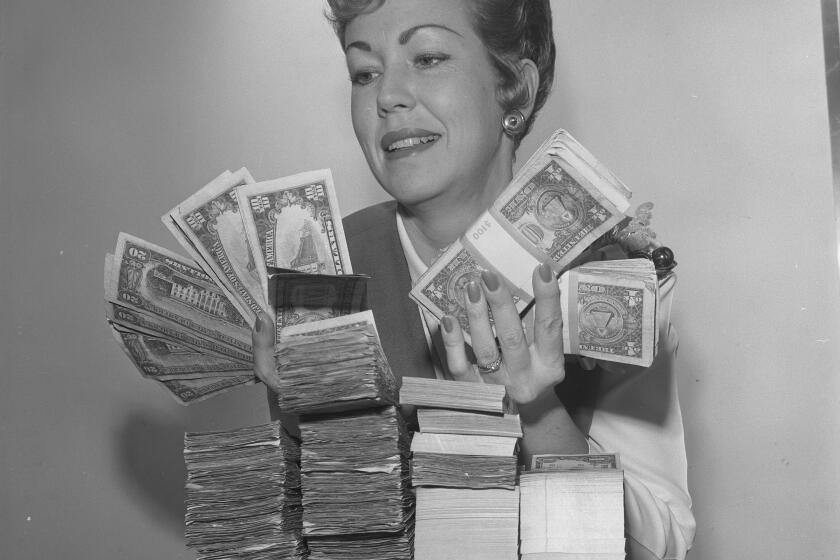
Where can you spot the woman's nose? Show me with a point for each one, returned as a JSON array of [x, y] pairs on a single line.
[[395, 92]]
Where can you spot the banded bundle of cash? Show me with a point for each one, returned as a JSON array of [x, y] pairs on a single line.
[[609, 311], [187, 323], [243, 494], [334, 364], [356, 495], [572, 507], [463, 468], [560, 205]]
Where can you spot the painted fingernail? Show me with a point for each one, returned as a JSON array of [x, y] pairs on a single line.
[[447, 323], [490, 280], [473, 291], [546, 274], [258, 326]]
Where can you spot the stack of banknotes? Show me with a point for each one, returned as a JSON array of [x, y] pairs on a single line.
[[333, 364], [572, 508], [464, 471], [243, 494], [357, 501]]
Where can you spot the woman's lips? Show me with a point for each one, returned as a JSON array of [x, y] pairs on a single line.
[[406, 141]]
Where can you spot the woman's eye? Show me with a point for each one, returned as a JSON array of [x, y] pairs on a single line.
[[429, 60], [363, 77]]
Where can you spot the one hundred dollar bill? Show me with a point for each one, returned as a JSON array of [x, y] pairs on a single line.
[[294, 222], [160, 284], [188, 391], [297, 297], [575, 462], [209, 226], [164, 359]]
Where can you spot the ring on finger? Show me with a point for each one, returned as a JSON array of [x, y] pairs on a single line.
[[492, 367]]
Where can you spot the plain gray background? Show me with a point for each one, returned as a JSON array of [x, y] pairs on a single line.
[[113, 111]]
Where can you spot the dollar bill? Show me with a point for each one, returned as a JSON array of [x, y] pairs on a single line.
[[182, 238], [609, 312], [163, 359], [294, 222], [155, 326], [188, 391], [209, 226], [158, 283], [575, 462], [443, 288], [297, 297]]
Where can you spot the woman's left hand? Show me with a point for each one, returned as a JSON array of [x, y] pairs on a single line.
[[526, 367]]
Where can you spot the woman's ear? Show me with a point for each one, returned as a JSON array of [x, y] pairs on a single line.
[[519, 87], [529, 80]]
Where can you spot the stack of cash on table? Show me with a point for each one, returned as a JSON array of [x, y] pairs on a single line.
[[572, 508], [243, 494], [356, 494], [357, 501], [463, 467]]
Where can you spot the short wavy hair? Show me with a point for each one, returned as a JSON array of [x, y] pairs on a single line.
[[511, 30]]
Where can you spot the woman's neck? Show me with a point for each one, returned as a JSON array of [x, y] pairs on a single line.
[[433, 225]]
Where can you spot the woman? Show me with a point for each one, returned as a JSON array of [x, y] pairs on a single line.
[[442, 93]]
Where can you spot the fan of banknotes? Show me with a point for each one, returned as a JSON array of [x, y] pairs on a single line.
[[278, 246], [187, 323]]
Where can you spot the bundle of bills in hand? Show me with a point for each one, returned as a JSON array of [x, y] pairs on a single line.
[[187, 323], [559, 207]]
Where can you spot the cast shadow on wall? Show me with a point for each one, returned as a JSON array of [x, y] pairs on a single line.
[[150, 454]]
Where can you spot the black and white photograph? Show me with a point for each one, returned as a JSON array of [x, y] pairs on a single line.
[[420, 279]]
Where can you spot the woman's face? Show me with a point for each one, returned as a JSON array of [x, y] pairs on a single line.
[[424, 102]]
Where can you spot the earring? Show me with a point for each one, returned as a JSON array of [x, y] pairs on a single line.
[[513, 123]]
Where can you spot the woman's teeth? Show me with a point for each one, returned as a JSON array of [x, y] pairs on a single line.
[[409, 142]]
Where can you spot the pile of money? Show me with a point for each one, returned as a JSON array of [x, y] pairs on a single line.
[[572, 506], [356, 495], [187, 323], [560, 206], [464, 470], [243, 494], [333, 364]]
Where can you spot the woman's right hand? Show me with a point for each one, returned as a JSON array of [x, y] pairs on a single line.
[[263, 348]]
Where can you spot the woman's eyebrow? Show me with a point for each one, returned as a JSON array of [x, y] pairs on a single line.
[[406, 35], [403, 38]]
